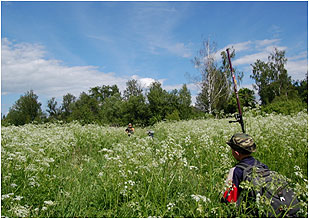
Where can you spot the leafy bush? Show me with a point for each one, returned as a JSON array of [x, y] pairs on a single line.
[[174, 116], [285, 106]]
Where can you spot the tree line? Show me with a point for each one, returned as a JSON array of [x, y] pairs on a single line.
[[107, 105]]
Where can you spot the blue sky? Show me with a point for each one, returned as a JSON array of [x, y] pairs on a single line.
[[55, 48]]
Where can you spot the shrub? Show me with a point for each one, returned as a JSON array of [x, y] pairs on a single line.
[[174, 116], [285, 106]]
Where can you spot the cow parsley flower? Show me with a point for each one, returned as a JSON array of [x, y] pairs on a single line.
[[50, 203], [170, 206], [197, 198]]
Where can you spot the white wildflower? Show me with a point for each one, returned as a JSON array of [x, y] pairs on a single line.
[[193, 167], [131, 182], [170, 206], [18, 198], [197, 198], [106, 150], [20, 211], [6, 196], [297, 168], [50, 203]]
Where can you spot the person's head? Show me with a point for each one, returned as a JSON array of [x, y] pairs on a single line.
[[242, 145], [130, 125]]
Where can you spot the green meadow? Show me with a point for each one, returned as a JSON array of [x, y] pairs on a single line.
[[69, 170]]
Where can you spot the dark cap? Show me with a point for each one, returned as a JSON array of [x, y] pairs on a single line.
[[242, 142]]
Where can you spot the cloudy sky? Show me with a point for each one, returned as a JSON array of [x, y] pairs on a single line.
[[55, 48]]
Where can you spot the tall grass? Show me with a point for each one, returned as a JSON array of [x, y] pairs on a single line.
[[69, 170]]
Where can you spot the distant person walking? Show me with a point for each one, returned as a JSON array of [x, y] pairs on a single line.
[[130, 130]]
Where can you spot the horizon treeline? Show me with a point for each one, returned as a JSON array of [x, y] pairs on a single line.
[[106, 105]]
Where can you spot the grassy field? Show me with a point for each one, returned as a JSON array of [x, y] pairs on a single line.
[[69, 170]]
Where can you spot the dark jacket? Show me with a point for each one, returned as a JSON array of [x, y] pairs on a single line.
[[234, 178]]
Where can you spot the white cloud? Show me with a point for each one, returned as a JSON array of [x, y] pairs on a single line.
[[259, 49], [302, 55], [297, 66], [146, 82], [297, 69], [271, 48], [240, 46], [250, 59], [243, 46], [261, 43], [24, 67]]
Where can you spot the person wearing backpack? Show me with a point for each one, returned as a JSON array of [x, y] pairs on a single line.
[[283, 202], [242, 146]]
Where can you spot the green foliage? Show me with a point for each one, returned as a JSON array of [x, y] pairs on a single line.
[[246, 98], [111, 110], [25, 110], [157, 98], [155, 119], [302, 89], [81, 171], [271, 78], [100, 94], [52, 109], [133, 89], [68, 102], [85, 109], [174, 116], [135, 110], [184, 101], [285, 106]]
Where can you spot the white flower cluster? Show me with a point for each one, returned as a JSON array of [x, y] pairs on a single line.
[[185, 153], [298, 172], [20, 211], [198, 198], [170, 206]]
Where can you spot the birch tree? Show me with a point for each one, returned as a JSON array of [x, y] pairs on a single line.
[[215, 82]]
